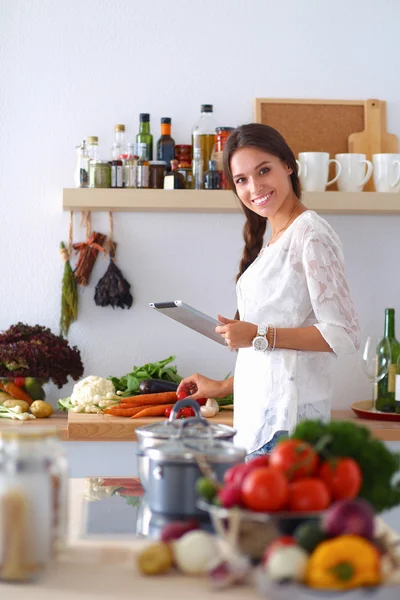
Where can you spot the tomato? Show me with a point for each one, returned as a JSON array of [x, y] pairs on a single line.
[[308, 495], [295, 458], [187, 411], [259, 461], [343, 478], [181, 395], [167, 412], [19, 381], [201, 401], [265, 489], [283, 540]]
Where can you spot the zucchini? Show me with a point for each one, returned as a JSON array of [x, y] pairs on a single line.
[[157, 386]]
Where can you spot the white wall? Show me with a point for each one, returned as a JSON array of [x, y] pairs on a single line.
[[69, 69]]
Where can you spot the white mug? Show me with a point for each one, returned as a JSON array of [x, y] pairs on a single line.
[[354, 175], [386, 172], [314, 171]]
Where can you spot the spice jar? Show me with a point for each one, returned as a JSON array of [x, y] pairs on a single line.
[[100, 174], [116, 173], [58, 465], [183, 154], [221, 135], [26, 515], [158, 169]]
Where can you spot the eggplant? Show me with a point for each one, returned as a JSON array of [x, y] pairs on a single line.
[[157, 386]]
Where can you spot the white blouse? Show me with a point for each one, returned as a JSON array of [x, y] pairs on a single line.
[[298, 281]]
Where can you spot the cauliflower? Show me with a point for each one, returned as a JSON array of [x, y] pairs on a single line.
[[91, 390]]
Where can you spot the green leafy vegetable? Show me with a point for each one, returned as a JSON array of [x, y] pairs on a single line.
[[65, 404], [378, 464], [129, 384]]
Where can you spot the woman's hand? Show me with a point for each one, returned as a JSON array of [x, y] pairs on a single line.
[[198, 386], [237, 334]]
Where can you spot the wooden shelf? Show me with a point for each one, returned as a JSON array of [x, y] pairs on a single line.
[[210, 201]]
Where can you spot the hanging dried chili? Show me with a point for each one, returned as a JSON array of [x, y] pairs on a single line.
[[88, 252]]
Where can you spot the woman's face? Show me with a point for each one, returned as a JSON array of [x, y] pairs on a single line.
[[262, 180]]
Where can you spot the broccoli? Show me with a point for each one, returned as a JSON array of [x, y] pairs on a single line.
[[377, 463]]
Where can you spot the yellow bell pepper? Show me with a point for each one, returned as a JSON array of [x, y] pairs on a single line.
[[341, 563]]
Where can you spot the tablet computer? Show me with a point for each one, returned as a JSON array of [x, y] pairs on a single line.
[[191, 317]]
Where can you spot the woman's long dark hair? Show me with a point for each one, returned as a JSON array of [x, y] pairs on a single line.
[[268, 139]]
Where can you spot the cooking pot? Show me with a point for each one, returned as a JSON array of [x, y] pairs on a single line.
[[174, 467], [152, 435]]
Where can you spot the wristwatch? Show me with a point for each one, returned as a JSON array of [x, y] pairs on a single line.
[[260, 342]]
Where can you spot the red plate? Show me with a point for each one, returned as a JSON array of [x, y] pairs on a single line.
[[364, 411]]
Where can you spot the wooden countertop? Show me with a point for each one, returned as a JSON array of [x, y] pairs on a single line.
[[101, 428]]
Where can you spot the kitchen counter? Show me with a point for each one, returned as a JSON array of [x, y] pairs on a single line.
[[103, 428]]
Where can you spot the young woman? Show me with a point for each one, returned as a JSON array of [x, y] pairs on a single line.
[[295, 312]]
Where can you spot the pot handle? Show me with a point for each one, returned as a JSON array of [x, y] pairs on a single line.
[[181, 404]]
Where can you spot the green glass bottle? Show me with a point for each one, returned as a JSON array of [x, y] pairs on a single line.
[[386, 392], [144, 139]]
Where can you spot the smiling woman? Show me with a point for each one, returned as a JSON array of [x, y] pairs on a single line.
[[295, 312]]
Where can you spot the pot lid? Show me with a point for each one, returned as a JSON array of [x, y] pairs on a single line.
[[170, 429], [185, 450]]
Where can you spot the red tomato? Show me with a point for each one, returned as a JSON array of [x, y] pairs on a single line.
[[295, 458], [343, 478], [167, 412], [187, 411], [19, 381], [265, 489], [181, 395], [283, 540], [236, 474], [308, 495], [259, 461], [201, 401]]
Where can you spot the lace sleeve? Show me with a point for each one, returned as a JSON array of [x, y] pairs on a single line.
[[333, 307]]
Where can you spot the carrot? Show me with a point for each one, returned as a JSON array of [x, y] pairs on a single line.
[[116, 411], [17, 392], [152, 411], [149, 399]]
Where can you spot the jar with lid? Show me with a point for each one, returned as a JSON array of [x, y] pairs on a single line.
[[117, 173], [157, 171], [100, 174], [26, 514], [183, 154], [221, 135], [81, 176]]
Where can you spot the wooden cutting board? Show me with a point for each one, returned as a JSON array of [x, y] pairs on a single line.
[[103, 428], [374, 139]]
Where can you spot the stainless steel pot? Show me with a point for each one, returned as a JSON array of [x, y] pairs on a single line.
[[174, 468], [152, 435]]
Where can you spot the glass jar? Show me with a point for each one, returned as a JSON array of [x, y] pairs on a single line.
[[26, 515], [158, 169], [58, 464], [100, 174], [221, 135], [183, 154]]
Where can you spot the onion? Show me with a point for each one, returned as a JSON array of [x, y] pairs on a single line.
[[349, 517], [194, 552]]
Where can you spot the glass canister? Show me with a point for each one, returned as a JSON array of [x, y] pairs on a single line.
[[183, 154], [58, 465], [221, 135], [100, 174], [26, 515], [157, 172]]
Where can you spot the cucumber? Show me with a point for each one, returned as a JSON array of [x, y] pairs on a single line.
[[157, 386]]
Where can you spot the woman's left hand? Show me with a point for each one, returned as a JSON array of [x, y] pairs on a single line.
[[237, 334]]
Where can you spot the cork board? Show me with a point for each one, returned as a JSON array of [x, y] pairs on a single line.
[[313, 125]]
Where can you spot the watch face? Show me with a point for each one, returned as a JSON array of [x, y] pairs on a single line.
[[260, 344]]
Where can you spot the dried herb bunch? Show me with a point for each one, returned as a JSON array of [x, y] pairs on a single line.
[[35, 351], [113, 289]]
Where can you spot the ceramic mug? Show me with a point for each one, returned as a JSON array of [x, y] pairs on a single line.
[[386, 172], [313, 169], [356, 171]]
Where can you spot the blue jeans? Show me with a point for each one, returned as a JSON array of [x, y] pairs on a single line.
[[269, 446]]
